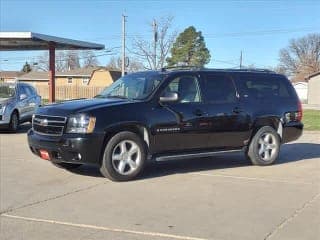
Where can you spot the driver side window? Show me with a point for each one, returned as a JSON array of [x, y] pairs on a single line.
[[187, 88]]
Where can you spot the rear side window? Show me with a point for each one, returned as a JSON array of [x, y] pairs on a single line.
[[264, 87], [218, 88]]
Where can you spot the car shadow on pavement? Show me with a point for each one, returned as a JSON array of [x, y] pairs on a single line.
[[298, 152], [23, 128], [289, 153]]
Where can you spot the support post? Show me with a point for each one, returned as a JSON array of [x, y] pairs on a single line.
[[52, 71], [155, 40], [123, 62]]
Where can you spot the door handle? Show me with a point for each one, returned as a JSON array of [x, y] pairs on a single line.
[[237, 110], [198, 112]]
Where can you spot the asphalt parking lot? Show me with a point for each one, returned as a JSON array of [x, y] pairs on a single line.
[[218, 198]]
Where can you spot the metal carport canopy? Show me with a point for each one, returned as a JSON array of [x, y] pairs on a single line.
[[29, 41]]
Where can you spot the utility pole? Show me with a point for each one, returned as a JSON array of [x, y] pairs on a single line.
[[155, 40], [241, 59], [123, 62]]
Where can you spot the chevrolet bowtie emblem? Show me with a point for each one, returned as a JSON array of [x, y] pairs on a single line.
[[43, 122]]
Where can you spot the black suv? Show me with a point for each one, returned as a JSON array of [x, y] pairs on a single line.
[[170, 114]]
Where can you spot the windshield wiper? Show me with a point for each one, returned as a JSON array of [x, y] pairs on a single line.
[[99, 96], [117, 96]]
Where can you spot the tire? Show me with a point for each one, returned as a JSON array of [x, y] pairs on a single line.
[[264, 147], [124, 157], [68, 166], [14, 122]]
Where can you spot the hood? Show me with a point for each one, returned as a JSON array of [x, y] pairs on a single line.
[[4, 101], [78, 106]]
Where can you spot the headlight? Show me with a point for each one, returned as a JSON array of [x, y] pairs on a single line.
[[81, 124], [2, 108]]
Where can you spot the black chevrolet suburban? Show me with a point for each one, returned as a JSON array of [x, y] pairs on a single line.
[[170, 114]]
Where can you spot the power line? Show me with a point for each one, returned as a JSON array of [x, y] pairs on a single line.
[[69, 54]]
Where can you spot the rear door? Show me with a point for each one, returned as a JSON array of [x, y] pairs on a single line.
[[228, 122]]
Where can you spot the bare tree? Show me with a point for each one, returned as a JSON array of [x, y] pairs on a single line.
[[164, 38], [301, 57], [89, 59], [114, 64], [134, 64], [42, 62], [73, 59]]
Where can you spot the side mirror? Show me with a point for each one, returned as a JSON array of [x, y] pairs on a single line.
[[23, 96], [169, 97]]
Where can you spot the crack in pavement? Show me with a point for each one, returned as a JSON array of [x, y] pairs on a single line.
[[291, 217], [52, 198]]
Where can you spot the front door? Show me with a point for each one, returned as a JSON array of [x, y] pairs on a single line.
[[179, 129], [23, 103]]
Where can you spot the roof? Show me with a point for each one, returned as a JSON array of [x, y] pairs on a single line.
[[38, 76], [312, 75], [80, 72], [10, 74], [36, 41]]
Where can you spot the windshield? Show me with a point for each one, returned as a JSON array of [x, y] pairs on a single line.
[[132, 86], [7, 91]]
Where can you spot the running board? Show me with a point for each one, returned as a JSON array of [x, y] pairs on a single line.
[[190, 155]]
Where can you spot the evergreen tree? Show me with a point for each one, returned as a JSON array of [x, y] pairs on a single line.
[[26, 68], [189, 49]]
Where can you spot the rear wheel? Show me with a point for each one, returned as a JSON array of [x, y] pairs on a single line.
[[14, 122], [124, 157], [264, 146]]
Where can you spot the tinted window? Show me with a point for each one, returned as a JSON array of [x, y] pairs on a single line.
[[29, 91], [186, 87], [264, 86], [7, 90], [22, 90], [219, 88]]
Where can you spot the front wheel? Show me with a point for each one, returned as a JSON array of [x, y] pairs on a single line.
[[14, 122], [124, 157], [264, 146]]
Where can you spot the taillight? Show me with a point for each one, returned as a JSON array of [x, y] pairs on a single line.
[[295, 116], [299, 113]]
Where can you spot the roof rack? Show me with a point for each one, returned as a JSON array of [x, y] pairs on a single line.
[[255, 70], [181, 68], [197, 68]]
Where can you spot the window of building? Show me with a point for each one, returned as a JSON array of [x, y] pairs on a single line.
[[85, 81], [69, 80]]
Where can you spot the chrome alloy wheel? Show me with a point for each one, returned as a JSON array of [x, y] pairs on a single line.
[[126, 157], [267, 146]]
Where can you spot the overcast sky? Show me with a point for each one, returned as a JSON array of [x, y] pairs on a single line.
[[258, 28]]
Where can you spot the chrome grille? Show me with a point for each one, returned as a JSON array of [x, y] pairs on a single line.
[[48, 125]]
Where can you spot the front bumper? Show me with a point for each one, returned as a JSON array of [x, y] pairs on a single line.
[[292, 131], [4, 121], [69, 148]]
